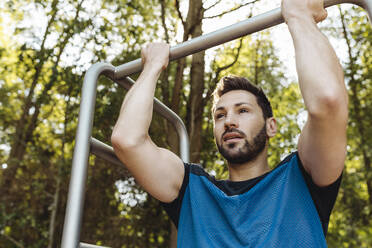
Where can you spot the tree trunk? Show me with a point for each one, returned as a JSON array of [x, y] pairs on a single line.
[[53, 216], [256, 63], [195, 106]]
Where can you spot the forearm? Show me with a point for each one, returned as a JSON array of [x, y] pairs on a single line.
[[137, 108], [320, 74]]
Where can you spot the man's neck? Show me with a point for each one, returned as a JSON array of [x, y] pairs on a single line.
[[251, 169]]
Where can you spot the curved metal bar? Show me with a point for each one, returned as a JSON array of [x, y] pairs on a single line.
[[172, 117], [74, 208], [107, 152], [249, 26], [85, 245], [104, 151]]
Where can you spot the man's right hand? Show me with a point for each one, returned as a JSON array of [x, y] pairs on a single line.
[[312, 10], [155, 55]]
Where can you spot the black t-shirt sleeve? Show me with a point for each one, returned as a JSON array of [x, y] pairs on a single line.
[[173, 208], [324, 197]]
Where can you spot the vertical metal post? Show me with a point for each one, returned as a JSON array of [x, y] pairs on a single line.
[[72, 225]]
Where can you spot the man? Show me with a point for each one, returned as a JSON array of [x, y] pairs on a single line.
[[286, 207]]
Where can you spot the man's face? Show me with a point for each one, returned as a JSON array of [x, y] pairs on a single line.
[[239, 127]]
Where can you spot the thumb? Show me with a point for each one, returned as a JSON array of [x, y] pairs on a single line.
[[321, 16]]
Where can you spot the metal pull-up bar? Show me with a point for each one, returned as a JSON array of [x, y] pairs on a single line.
[[85, 144], [223, 35]]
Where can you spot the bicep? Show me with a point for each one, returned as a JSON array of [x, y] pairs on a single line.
[[322, 148], [159, 171]]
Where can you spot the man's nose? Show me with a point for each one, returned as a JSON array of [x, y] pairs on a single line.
[[231, 121]]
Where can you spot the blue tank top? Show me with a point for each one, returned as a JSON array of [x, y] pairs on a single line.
[[277, 212]]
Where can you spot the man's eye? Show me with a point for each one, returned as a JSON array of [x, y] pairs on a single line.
[[219, 116], [243, 110]]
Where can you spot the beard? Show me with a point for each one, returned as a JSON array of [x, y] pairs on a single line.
[[248, 152]]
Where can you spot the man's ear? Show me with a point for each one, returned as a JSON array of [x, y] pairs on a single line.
[[271, 127]]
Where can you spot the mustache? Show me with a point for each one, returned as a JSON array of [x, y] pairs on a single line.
[[233, 130]]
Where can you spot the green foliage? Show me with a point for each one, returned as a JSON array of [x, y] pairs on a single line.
[[41, 73], [351, 221]]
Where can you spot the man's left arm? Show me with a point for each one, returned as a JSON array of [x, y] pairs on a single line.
[[322, 143]]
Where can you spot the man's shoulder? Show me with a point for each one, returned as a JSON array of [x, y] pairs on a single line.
[[198, 170], [288, 158]]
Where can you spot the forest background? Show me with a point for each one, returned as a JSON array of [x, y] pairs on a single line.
[[42, 64]]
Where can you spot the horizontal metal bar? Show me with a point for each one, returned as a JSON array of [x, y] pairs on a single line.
[[104, 151], [168, 114], [249, 26], [85, 245]]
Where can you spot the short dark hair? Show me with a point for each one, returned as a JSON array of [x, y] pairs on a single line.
[[230, 83]]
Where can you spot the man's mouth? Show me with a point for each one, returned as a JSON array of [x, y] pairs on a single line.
[[232, 136]]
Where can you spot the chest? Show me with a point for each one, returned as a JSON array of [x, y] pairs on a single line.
[[277, 212]]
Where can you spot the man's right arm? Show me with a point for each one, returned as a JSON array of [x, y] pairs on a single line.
[[159, 171]]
